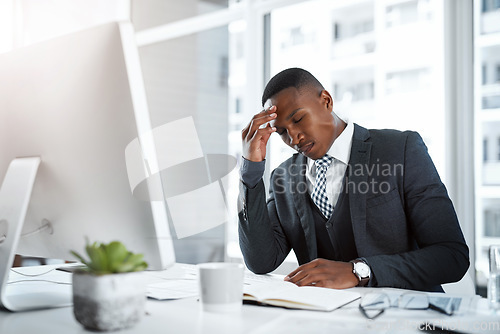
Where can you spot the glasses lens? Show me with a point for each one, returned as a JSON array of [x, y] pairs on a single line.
[[413, 301], [375, 301]]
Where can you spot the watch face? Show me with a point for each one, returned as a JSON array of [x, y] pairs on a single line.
[[362, 269]]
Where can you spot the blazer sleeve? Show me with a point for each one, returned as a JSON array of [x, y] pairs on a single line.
[[441, 254], [262, 239]]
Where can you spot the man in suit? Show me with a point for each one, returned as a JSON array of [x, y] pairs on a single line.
[[358, 207]]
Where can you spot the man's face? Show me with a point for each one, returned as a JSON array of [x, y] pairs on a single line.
[[305, 121]]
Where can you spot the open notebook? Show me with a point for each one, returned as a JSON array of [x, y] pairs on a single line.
[[289, 295]]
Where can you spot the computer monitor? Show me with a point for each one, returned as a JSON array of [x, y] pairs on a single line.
[[76, 102]]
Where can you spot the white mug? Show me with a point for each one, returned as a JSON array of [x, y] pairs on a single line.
[[221, 286]]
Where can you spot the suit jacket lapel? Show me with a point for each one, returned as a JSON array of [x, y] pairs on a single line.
[[302, 204], [358, 185]]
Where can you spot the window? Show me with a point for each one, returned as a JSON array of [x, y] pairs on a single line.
[[492, 218], [485, 149], [487, 116], [409, 12], [490, 176], [296, 36], [372, 74], [407, 81], [402, 13], [356, 92], [490, 5], [336, 31], [353, 30], [498, 148], [237, 105]]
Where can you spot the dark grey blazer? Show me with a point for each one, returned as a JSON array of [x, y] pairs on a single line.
[[403, 221]]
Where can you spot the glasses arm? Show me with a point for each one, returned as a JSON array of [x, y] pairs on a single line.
[[441, 310], [371, 317]]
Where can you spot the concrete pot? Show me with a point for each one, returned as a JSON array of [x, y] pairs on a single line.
[[108, 302]]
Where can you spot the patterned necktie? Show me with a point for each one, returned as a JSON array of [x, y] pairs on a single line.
[[319, 196]]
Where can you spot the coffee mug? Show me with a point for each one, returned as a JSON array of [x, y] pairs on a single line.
[[221, 286]]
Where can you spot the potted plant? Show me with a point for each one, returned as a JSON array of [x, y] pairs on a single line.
[[109, 292]]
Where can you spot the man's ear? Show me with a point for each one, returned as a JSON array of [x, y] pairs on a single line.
[[326, 100]]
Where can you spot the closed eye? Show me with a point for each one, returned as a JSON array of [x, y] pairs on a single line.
[[297, 121]]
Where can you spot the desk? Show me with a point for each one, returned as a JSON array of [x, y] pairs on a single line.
[[186, 316]]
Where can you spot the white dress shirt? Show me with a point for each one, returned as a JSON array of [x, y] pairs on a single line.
[[341, 152]]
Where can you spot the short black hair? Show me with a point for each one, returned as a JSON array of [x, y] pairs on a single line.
[[291, 77]]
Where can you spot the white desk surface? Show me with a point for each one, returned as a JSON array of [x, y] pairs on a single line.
[[186, 316]]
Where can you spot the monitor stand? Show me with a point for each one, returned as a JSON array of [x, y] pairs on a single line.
[[15, 195]]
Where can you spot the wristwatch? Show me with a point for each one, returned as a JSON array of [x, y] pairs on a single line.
[[362, 271]]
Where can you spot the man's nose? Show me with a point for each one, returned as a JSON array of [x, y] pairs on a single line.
[[293, 138]]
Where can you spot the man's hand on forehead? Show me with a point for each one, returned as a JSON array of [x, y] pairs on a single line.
[[256, 134], [267, 112]]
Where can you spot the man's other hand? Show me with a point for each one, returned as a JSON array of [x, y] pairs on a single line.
[[324, 273]]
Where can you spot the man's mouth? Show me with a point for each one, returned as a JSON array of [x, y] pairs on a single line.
[[305, 149]]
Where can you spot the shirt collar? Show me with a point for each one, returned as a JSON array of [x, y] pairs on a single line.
[[341, 147]]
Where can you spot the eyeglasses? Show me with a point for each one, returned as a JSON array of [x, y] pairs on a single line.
[[374, 304]]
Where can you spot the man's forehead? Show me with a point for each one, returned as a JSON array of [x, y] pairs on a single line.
[[286, 96]]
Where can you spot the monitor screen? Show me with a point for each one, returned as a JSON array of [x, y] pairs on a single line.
[[76, 102]]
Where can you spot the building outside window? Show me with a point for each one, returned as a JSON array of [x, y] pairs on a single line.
[[382, 55], [487, 116]]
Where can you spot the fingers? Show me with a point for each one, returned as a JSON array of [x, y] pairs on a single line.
[[263, 133], [302, 273], [255, 127], [305, 278], [324, 273], [266, 134], [314, 263], [257, 121]]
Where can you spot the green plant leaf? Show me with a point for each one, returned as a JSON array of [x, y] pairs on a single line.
[[133, 262], [80, 258], [116, 254], [142, 266], [110, 258], [98, 259]]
